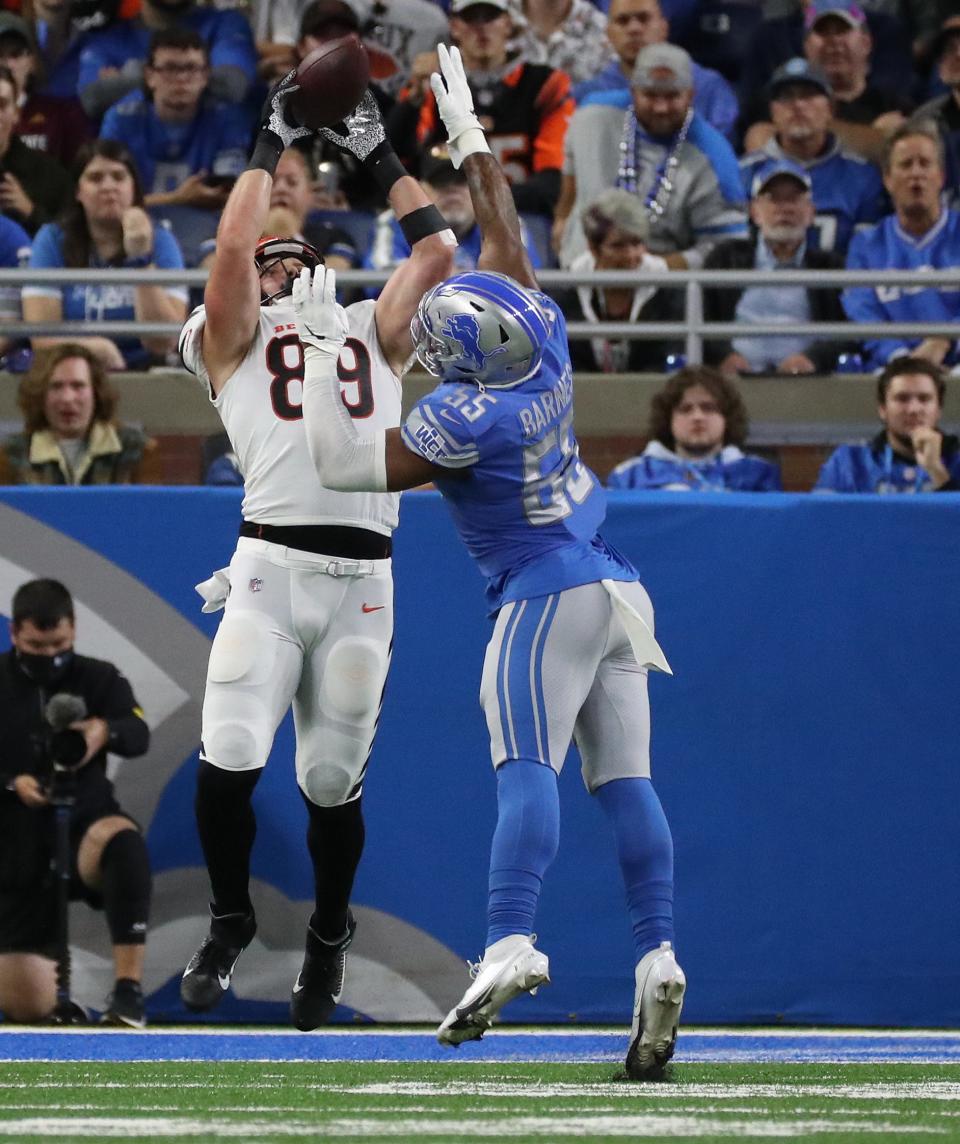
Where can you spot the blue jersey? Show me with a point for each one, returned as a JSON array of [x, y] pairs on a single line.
[[14, 253], [216, 140], [847, 191], [888, 247], [14, 243], [730, 471], [525, 505], [102, 302], [228, 37], [876, 468]]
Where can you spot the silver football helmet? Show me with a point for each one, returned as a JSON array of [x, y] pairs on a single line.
[[481, 327]]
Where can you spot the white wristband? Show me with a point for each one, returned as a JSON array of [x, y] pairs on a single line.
[[470, 142]]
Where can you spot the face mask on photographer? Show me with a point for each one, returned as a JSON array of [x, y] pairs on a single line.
[[44, 655], [45, 669]]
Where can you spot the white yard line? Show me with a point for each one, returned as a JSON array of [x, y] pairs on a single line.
[[653, 1125]]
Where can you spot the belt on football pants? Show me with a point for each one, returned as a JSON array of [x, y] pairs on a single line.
[[339, 540]]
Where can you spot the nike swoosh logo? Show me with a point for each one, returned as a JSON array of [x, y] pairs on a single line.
[[298, 988], [224, 980], [372, 608]]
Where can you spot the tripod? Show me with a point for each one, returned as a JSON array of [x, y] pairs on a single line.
[[67, 1011]]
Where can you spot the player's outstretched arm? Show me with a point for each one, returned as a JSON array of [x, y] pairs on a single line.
[[501, 246], [343, 459], [431, 241], [432, 244], [232, 295]]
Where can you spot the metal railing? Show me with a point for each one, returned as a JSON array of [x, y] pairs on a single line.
[[693, 329]]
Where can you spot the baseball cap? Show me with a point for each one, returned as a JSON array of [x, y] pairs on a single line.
[[774, 170], [437, 167], [13, 25], [457, 7], [321, 13], [852, 13], [799, 70], [663, 58]]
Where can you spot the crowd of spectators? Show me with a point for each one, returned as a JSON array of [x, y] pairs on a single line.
[[638, 136]]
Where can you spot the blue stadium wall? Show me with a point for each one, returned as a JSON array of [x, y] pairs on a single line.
[[806, 752]]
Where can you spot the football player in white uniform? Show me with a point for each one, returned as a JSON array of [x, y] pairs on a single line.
[[308, 617]]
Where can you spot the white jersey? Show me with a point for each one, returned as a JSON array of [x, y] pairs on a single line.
[[260, 407]]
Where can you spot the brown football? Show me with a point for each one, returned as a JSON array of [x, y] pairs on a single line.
[[332, 81]]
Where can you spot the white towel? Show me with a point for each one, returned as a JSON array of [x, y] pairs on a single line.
[[215, 590], [645, 647]]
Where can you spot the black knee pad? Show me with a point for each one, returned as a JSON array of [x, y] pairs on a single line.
[[126, 885]]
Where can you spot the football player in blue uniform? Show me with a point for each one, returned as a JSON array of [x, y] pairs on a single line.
[[573, 633]]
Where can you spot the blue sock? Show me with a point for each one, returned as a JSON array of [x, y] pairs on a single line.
[[645, 853], [524, 844]]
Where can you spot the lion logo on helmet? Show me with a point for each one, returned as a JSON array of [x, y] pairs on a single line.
[[464, 329]]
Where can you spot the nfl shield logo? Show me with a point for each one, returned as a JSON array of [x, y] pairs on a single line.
[[256, 584]]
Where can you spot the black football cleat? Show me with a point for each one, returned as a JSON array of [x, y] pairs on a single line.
[[320, 981]]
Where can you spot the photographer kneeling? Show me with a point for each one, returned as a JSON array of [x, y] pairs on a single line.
[[68, 709]]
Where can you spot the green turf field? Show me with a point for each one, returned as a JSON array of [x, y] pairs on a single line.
[[266, 1102]]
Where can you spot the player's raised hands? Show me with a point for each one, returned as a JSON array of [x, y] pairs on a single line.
[[362, 131], [455, 105], [278, 117], [321, 322]]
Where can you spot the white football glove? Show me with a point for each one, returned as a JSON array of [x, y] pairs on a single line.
[[322, 324], [455, 105]]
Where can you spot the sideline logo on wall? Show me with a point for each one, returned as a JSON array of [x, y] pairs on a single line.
[[396, 972]]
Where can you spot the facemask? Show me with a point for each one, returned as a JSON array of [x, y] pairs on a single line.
[[45, 669]]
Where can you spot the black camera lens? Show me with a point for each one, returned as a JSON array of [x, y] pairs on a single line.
[[67, 748]]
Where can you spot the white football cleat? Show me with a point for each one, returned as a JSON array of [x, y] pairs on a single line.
[[656, 1013], [510, 966]]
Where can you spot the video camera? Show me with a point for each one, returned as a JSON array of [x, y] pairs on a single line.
[[60, 748]]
